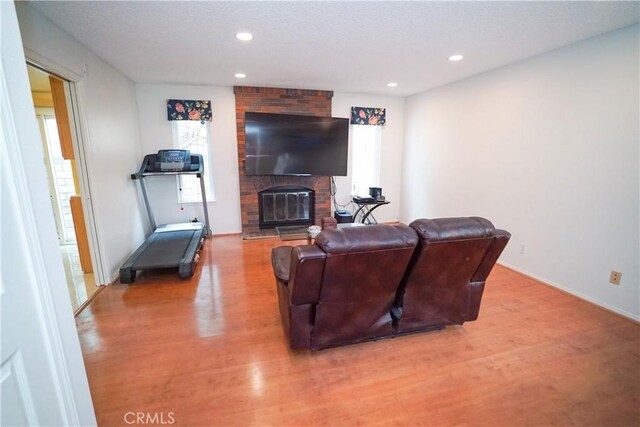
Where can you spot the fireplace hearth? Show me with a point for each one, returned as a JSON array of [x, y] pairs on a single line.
[[285, 205]]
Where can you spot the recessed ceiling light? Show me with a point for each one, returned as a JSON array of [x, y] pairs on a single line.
[[456, 58], [392, 84], [240, 75], [245, 37]]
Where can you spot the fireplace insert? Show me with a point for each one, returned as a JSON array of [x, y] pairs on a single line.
[[286, 205]]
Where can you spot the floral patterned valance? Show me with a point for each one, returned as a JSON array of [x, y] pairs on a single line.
[[368, 116], [187, 109]]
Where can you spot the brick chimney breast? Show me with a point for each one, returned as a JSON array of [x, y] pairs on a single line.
[[283, 101]]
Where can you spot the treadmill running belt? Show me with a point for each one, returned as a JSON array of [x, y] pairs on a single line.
[[165, 251]]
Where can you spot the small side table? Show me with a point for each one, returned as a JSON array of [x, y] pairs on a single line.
[[365, 210]]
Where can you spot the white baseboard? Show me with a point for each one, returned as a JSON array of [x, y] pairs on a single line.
[[580, 295], [114, 276]]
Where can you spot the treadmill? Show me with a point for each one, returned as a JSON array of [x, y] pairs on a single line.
[[170, 245]]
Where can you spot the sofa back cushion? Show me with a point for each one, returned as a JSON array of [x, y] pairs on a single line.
[[362, 274], [447, 264]]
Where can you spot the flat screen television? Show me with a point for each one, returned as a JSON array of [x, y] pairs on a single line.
[[286, 144]]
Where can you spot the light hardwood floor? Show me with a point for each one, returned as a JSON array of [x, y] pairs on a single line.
[[210, 351]]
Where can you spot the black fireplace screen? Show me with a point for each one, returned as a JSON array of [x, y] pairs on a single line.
[[280, 206]]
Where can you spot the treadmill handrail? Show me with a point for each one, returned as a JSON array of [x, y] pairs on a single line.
[[142, 172], [169, 173]]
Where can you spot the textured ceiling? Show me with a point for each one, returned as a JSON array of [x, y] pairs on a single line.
[[341, 46]]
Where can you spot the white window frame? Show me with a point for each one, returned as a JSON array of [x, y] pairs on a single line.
[[43, 114], [366, 142], [208, 175]]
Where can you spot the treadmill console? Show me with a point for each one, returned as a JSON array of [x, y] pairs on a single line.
[[172, 161]]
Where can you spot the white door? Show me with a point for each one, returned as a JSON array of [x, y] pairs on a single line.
[[43, 381]]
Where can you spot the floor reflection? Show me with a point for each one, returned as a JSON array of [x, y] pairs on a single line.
[[208, 309], [81, 286], [256, 378]]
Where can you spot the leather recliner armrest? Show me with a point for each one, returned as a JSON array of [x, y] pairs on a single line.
[[501, 238], [476, 285], [281, 262], [305, 274]]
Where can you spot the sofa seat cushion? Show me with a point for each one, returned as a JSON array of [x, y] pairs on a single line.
[[281, 261]]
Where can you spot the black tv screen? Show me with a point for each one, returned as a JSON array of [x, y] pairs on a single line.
[[286, 144]]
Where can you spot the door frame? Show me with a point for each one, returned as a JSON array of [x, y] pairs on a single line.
[[74, 94], [44, 279]]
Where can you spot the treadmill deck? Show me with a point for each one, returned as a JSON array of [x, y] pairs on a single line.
[[169, 246]]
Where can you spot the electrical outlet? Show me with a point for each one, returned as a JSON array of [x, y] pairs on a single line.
[[523, 248], [615, 277]]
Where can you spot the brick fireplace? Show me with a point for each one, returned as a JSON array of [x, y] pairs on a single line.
[[286, 101]]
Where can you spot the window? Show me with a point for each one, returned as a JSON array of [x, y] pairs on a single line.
[[365, 158], [193, 136], [60, 174]]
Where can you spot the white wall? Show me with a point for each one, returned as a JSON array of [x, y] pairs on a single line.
[[113, 145], [390, 150], [546, 148], [156, 133]]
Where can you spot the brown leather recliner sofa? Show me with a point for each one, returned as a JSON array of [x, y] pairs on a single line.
[[364, 283]]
